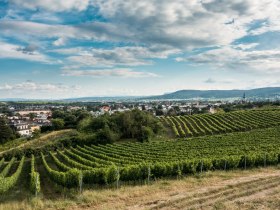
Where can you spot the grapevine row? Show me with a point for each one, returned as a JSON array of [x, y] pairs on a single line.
[[208, 124]]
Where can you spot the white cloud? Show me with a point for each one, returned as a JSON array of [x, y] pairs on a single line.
[[188, 24], [210, 80], [215, 81], [174, 23], [18, 29], [95, 31], [59, 42], [37, 87], [45, 17], [125, 56], [239, 59], [20, 52], [162, 27], [271, 82], [121, 72], [52, 5]]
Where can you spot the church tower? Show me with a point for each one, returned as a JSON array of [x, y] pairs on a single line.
[[244, 98]]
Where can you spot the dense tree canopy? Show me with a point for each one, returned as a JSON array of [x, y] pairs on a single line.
[[65, 119], [134, 124], [6, 133], [70, 118]]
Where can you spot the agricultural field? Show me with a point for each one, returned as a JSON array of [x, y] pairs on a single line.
[[72, 171], [209, 124], [114, 165]]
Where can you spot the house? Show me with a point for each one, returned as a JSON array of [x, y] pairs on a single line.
[[13, 118], [34, 127], [105, 109], [21, 127], [96, 114], [75, 108], [42, 119], [122, 109], [11, 108], [36, 112], [212, 110]]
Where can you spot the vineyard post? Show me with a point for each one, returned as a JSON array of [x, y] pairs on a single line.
[[201, 166], [118, 177], [245, 162], [81, 182], [264, 160], [149, 174], [179, 172], [225, 168]]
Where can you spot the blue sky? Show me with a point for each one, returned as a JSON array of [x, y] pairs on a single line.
[[75, 48]]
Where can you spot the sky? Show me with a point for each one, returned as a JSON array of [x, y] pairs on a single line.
[[52, 49]]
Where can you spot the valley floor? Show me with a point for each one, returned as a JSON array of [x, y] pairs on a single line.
[[239, 189]]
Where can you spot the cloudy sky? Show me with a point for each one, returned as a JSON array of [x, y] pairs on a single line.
[[76, 48]]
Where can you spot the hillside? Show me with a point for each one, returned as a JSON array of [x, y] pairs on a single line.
[[209, 124], [114, 165], [43, 140], [226, 150], [87, 176], [202, 165], [268, 92]]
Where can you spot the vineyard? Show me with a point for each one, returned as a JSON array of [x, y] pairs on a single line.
[[126, 162], [209, 124]]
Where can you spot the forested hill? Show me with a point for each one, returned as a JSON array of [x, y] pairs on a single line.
[[269, 92]]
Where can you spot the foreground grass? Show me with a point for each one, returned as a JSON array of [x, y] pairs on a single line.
[[211, 190]]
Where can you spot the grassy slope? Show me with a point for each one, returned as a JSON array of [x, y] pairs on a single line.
[[12, 144], [39, 142], [251, 189]]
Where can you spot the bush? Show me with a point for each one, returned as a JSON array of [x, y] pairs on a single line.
[[145, 134]]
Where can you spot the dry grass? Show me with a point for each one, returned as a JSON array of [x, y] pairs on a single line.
[[195, 191], [41, 141]]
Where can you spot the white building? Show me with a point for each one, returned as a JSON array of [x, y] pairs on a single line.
[[212, 110], [21, 128]]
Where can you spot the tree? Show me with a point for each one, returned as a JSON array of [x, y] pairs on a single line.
[[58, 124], [58, 114], [159, 112], [6, 133], [36, 133], [31, 116], [106, 135], [145, 134], [135, 124], [70, 120]]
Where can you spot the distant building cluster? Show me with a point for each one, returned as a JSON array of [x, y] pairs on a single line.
[[26, 119], [26, 122], [159, 108]]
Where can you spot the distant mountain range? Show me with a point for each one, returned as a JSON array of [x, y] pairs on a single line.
[[268, 92], [259, 93]]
